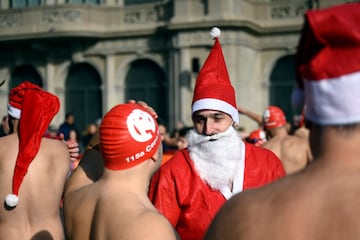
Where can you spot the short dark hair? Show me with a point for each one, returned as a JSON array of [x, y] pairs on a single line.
[[68, 114], [183, 131]]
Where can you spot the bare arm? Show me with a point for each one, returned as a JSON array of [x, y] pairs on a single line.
[[254, 116], [73, 148], [90, 169]]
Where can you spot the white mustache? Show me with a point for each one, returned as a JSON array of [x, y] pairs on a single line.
[[213, 137]]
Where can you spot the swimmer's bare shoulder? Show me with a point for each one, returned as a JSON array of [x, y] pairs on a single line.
[[57, 150], [226, 224], [152, 225]]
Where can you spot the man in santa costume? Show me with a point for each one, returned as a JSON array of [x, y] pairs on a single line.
[[323, 200], [191, 187], [33, 168]]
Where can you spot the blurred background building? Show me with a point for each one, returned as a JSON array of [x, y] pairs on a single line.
[[94, 54]]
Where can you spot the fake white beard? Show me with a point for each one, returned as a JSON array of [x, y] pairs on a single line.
[[217, 157]]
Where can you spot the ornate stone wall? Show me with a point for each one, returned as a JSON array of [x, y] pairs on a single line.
[[172, 33]]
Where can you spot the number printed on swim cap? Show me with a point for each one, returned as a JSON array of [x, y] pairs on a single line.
[[141, 125]]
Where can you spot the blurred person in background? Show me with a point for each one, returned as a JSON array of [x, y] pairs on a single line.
[[181, 140], [293, 151], [89, 132], [67, 125], [257, 137]]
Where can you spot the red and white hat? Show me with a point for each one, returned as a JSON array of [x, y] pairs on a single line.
[[273, 117], [35, 109], [213, 89], [328, 61], [256, 136], [129, 135]]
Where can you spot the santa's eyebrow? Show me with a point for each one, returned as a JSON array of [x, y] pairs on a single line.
[[200, 116]]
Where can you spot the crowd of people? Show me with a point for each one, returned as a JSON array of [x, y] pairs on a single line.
[[215, 182]]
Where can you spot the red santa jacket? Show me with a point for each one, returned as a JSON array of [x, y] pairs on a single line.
[[189, 203]]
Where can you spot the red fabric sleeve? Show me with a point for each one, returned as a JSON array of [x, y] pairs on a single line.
[[262, 167], [162, 194]]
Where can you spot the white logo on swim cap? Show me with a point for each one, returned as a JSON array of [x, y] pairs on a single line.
[[262, 135], [141, 125], [266, 115]]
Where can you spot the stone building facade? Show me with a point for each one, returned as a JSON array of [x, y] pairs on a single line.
[[94, 54]]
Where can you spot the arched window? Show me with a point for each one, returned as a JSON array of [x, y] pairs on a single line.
[[25, 73], [83, 94], [24, 3], [282, 83], [146, 81]]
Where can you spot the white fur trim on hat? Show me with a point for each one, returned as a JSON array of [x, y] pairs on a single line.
[[218, 105], [333, 101], [14, 112]]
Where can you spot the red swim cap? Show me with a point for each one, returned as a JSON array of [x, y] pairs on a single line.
[[257, 137], [129, 135], [257, 134], [273, 117]]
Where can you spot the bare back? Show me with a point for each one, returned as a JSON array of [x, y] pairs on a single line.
[[37, 215], [321, 202], [111, 211], [293, 151]]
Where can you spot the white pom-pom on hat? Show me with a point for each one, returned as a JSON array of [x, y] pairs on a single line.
[[12, 200], [215, 32]]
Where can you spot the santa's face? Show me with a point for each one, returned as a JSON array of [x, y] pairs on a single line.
[[217, 157], [210, 122]]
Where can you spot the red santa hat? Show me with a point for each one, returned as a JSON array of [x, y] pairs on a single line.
[[213, 89], [273, 117], [129, 135], [35, 109], [328, 61]]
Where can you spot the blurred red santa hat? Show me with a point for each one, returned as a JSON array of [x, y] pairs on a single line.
[[129, 135], [35, 109], [328, 61], [213, 89], [273, 117]]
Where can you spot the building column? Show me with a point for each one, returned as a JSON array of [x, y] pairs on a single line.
[[49, 77], [5, 4], [109, 84], [185, 85], [119, 3], [173, 87]]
